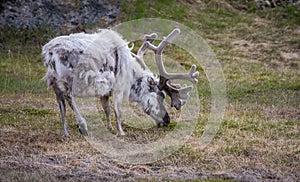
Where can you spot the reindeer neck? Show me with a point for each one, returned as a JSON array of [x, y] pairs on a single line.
[[139, 72]]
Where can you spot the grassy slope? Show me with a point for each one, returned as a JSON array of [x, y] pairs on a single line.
[[259, 137]]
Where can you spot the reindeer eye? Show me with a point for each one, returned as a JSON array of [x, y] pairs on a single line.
[[151, 81], [152, 84], [162, 94]]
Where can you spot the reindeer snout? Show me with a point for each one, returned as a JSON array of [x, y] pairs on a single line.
[[175, 104], [166, 119]]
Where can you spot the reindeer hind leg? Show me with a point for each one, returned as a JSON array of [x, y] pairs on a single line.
[[62, 106], [106, 106]]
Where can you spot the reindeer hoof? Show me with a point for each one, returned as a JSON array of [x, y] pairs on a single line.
[[110, 127], [82, 131], [122, 133]]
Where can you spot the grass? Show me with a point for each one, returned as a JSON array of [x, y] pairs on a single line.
[[257, 140], [22, 74]]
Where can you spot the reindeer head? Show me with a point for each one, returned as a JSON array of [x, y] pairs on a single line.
[[146, 92], [158, 89]]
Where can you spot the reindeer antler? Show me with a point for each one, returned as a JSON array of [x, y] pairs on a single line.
[[178, 94], [190, 76]]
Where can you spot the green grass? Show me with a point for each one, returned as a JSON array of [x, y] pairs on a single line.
[[255, 79], [260, 130], [167, 9], [22, 74]]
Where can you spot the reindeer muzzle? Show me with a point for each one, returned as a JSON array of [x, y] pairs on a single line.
[[166, 119]]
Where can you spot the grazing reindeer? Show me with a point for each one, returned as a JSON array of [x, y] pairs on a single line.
[[102, 65]]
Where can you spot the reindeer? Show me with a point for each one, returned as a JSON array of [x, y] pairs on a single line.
[[102, 65]]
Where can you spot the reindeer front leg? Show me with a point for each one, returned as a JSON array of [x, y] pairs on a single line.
[[62, 106], [81, 121]]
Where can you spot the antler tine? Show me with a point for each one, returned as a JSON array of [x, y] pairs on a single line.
[[139, 56], [147, 38], [190, 76], [158, 49]]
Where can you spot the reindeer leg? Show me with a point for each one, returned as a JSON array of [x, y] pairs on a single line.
[[106, 106], [81, 121], [117, 100], [62, 106]]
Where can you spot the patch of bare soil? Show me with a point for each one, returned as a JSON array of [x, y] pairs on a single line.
[[261, 42], [278, 56]]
